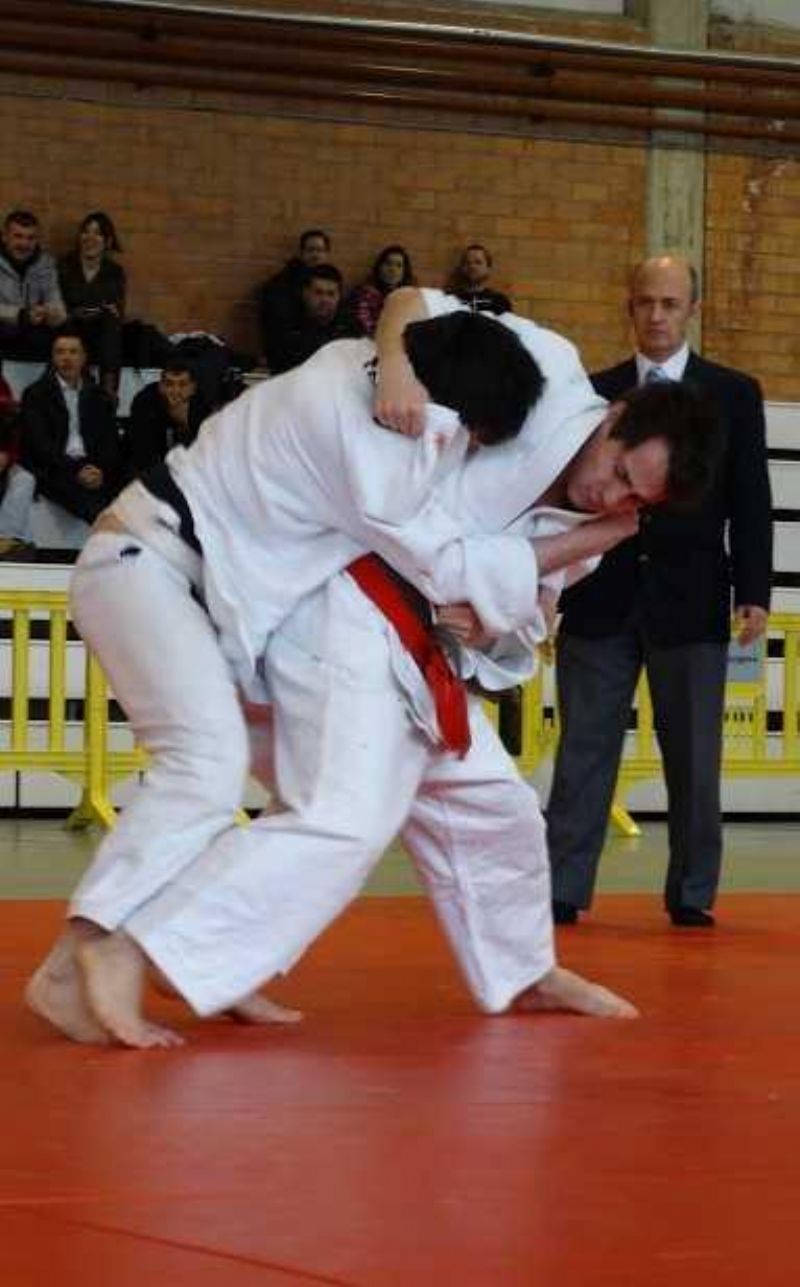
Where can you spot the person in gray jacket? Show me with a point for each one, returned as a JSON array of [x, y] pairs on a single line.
[[31, 306]]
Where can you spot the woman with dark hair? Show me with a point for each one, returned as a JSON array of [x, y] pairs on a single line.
[[93, 286], [391, 269]]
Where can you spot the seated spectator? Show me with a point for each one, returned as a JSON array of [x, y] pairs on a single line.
[[280, 303], [30, 300], [391, 269], [93, 288], [164, 415], [470, 281], [16, 487], [68, 433], [215, 366], [321, 320]]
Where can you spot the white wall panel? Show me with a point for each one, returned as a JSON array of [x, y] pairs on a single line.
[[785, 12], [783, 425], [787, 547], [785, 479]]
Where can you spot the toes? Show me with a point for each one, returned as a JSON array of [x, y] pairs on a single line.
[[624, 1010], [259, 1009], [146, 1036], [291, 1016], [171, 1039], [266, 1013], [280, 1014], [164, 1038], [567, 992], [607, 1005]]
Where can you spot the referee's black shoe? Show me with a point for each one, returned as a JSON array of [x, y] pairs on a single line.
[[564, 913], [691, 918]]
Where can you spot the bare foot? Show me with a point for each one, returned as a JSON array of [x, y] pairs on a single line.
[[114, 971], [56, 992], [256, 1008], [260, 1010], [561, 989]]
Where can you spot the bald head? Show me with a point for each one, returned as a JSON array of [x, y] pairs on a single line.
[[662, 301]]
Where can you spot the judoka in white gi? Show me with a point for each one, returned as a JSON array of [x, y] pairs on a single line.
[[116, 883], [285, 487]]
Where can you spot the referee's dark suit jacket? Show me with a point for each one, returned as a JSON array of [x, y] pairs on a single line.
[[673, 579]]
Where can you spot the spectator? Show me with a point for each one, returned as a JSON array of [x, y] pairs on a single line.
[[391, 269], [321, 320], [280, 298], [16, 486], [93, 287], [662, 601], [69, 438], [471, 281], [164, 415], [30, 300], [215, 367]]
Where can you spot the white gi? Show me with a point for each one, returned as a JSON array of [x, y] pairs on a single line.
[[356, 762], [264, 504]]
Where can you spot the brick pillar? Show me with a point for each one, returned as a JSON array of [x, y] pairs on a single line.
[[676, 163]]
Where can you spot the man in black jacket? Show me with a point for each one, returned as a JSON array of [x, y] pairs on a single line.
[[280, 298], [320, 320], [663, 600], [164, 415], [68, 433]]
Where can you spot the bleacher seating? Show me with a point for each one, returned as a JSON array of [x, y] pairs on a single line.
[[54, 528], [21, 374]]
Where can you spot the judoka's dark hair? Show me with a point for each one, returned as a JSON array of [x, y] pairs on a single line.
[[684, 415], [479, 368]]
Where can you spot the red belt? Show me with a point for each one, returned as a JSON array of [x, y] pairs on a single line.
[[400, 604]]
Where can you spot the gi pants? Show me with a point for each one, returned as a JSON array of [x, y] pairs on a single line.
[[220, 908], [135, 608]]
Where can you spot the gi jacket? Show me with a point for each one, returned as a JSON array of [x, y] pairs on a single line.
[[674, 578]]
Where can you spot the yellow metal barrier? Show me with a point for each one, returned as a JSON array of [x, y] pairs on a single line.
[[88, 761], [749, 750], [85, 757]]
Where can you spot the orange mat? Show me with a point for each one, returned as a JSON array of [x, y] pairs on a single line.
[[399, 1139]]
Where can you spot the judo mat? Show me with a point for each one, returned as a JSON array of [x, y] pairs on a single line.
[[397, 1138]]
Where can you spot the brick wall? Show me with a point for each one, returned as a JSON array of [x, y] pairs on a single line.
[[209, 194], [752, 286], [752, 270], [207, 202]]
